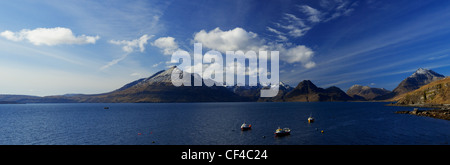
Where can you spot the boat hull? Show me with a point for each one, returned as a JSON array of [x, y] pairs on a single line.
[[282, 133], [245, 128]]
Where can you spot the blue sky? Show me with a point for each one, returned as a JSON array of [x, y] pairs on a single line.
[[59, 47]]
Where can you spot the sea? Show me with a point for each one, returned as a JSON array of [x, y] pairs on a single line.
[[342, 123]]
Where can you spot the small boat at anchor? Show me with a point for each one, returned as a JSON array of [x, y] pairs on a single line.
[[282, 132], [310, 119], [245, 127]]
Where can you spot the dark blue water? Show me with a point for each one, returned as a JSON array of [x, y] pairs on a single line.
[[217, 123]]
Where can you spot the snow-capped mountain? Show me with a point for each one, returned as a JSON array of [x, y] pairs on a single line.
[[159, 88], [419, 78]]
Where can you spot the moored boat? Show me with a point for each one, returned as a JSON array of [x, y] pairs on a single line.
[[282, 132], [245, 127], [310, 119]]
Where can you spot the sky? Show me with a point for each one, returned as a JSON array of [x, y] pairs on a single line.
[[60, 47]]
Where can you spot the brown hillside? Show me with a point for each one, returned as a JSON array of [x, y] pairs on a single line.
[[437, 92]]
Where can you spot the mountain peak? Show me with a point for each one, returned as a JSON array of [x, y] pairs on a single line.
[[419, 78], [425, 72], [306, 84], [307, 91], [422, 71]]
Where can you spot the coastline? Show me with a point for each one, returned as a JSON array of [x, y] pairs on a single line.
[[438, 111]]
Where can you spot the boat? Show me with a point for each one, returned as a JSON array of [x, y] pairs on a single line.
[[245, 127], [282, 132], [310, 119]]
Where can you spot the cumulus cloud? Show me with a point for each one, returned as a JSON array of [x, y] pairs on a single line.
[[231, 40], [240, 39], [132, 45], [49, 36], [298, 53], [167, 44]]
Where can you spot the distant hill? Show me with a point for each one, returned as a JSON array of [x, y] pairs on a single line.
[[13, 99], [306, 91], [283, 89], [437, 92], [358, 92], [253, 93]]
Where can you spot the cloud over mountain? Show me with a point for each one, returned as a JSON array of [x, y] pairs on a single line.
[[167, 44]]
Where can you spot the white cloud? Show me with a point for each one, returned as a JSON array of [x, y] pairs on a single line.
[[231, 40], [167, 44], [130, 46], [295, 26], [339, 8], [438, 57], [239, 39], [157, 64], [314, 14], [281, 36], [296, 54], [114, 62], [310, 64], [49, 36]]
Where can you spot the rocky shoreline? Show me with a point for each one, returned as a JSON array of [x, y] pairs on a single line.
[[438, 111]]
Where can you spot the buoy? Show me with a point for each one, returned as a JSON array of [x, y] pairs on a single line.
[[321, 131], [139, 133]]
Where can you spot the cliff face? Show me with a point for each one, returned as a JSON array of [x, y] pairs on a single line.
[[437, 92]]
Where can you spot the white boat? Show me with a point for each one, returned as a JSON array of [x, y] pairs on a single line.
[[246, 127], [282, 132], [310, 119]]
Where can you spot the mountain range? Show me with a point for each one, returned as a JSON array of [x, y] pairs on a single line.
[[306, 91], [159, 88]]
